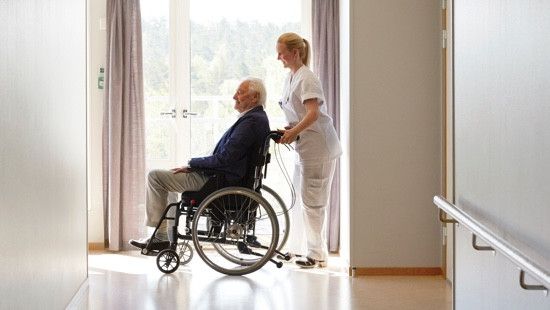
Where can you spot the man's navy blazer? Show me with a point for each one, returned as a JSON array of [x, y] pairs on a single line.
[[238, 146]]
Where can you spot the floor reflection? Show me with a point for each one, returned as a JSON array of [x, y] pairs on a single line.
[[128, 280]]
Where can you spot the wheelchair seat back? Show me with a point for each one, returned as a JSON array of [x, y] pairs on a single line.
[[257, 167]]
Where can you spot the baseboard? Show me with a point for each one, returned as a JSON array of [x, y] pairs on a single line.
[[396, 271], [80, 299], [96, 246]]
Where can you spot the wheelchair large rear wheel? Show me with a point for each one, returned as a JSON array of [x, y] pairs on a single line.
[[235, 223], [283, 219]]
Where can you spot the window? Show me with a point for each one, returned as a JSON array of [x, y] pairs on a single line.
[[194, 54]]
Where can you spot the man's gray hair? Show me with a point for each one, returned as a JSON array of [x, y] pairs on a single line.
[[257, 85]]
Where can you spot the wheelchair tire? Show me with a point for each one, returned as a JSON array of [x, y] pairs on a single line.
[[228, 219], [168, 261], [185, 252]]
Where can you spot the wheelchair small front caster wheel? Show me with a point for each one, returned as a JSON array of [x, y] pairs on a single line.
[[168, 261], [279, 264], [185, 252]]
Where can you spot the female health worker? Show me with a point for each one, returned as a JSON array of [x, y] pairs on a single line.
[[317, 149]]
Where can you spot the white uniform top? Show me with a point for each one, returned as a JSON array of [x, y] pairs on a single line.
[[319, 141]]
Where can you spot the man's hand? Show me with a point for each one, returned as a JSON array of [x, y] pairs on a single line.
[[183, 169]]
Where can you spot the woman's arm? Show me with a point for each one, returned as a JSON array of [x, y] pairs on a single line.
[[312, 114]]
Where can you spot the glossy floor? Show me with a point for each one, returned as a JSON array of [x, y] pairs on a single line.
[[128, 280]]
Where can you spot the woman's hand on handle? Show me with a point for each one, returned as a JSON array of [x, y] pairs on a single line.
[[289, 135]]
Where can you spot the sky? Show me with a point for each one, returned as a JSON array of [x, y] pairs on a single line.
[[205, 11]]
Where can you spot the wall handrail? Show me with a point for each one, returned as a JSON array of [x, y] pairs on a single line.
[[524, 263]]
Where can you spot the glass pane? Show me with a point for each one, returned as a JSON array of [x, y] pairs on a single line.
[[231, 40], [159, 129]]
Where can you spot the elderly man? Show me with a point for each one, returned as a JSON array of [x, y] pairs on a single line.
[[231, 155]]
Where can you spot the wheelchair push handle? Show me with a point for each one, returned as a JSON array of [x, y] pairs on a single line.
[[276, 136]]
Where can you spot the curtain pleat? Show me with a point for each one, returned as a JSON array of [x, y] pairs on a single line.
[[325, 43], [123, 127]]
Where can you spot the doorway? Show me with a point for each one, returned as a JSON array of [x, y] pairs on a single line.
[[193, 62]]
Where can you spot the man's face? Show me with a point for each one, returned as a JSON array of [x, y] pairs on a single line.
[[244, 100]]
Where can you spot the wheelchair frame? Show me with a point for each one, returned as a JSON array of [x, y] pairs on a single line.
[[241, 235]]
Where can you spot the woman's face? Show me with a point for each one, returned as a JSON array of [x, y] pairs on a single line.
[[287, 57]]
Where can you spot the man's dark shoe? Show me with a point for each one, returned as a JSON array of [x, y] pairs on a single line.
[[156, 245]]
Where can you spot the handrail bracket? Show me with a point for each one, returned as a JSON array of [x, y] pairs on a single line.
[[444, 219], [530, 287], [480, 247]]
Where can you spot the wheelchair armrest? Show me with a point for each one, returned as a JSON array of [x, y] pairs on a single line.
[[215, 182], [208, 171], [221, 176]]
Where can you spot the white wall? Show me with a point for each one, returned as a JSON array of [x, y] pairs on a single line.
[[395, 118], [502, 145], [96, 59], [43, 258]]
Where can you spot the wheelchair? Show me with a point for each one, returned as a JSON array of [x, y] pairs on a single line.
[[236, 230]]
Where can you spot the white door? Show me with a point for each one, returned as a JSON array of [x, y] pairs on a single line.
[[163, 123], [165, 37]]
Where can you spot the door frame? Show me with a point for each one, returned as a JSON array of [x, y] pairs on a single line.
[[448, 91], [180, 73]]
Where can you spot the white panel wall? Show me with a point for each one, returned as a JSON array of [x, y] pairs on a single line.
[[96, 57], [43, 153], [502, 95], [487, 281], [395, 143]]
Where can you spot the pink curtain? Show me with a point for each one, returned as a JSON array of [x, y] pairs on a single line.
[[326, 46], [123, 126]]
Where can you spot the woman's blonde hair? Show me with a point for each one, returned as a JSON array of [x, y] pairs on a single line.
[[293, 41]]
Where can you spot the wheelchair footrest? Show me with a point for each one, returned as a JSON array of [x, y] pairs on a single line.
[[149, 252]]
